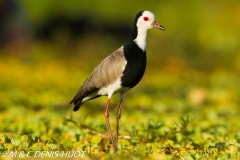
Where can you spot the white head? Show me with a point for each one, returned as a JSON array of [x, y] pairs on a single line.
[[145, 20]]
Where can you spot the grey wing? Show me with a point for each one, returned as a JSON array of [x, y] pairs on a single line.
[[86, 89], [106, 73]]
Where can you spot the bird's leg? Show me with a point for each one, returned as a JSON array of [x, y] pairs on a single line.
[[118, 118], [108, 125]]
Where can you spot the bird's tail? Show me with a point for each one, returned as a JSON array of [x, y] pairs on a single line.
[[77, 104]]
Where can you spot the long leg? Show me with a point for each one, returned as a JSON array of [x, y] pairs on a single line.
[[118, 118], [108, 125]]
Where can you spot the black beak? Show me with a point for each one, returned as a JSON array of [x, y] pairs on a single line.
[[161, 27]]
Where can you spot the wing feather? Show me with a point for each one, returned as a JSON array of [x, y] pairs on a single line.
[[106, 73]]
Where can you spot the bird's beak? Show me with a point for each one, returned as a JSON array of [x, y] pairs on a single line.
[[156, 25]]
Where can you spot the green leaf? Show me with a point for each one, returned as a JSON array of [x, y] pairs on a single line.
[[24, 138], [15, 141], [1, 147], [53, 146], [67, 143]]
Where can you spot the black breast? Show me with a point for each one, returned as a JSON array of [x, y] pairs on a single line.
[[136, 64]]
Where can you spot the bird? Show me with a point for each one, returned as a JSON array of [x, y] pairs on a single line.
[[120, 71]]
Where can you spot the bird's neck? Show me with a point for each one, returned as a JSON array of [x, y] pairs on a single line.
[[140, 40], [139, 36]]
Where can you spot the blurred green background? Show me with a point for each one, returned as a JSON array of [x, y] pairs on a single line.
[[49, 47]]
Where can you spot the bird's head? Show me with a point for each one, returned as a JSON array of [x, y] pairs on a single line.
[[146, 20]]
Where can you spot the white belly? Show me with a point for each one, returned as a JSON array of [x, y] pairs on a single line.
[[109, 91], [113, 88]]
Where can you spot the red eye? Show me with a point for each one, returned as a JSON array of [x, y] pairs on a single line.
[[145, 18]]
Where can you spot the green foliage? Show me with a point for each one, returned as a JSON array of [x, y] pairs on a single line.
[[162, 118]]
